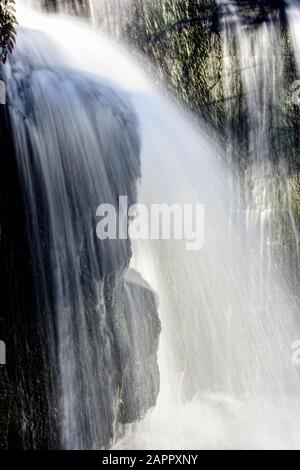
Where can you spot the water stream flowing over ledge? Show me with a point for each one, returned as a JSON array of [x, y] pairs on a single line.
[[142, 344]]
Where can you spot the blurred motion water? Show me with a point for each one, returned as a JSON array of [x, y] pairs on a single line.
[[227, 379]]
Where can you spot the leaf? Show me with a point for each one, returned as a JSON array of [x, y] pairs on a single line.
[[7, 28]]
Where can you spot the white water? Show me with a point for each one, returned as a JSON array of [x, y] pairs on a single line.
[[293, 14], [104, 14], [227, 380]]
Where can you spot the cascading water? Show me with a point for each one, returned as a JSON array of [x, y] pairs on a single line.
[[254, 56], [108, 14], [99, 367], [293, 14], [227, 380]]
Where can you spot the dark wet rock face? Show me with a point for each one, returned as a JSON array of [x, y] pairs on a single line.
[[137, 328], [81, 334]]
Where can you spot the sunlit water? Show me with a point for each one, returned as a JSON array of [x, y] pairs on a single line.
[[227, 379]]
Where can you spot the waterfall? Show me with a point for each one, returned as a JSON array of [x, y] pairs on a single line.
[[293, 14], [88, 124], [266, 183], [109, 15], [77, 145]]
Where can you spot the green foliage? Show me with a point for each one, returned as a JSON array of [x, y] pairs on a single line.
[[181, 39], [7, 28]]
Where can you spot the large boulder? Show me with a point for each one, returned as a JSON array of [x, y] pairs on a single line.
[[82, 336]]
